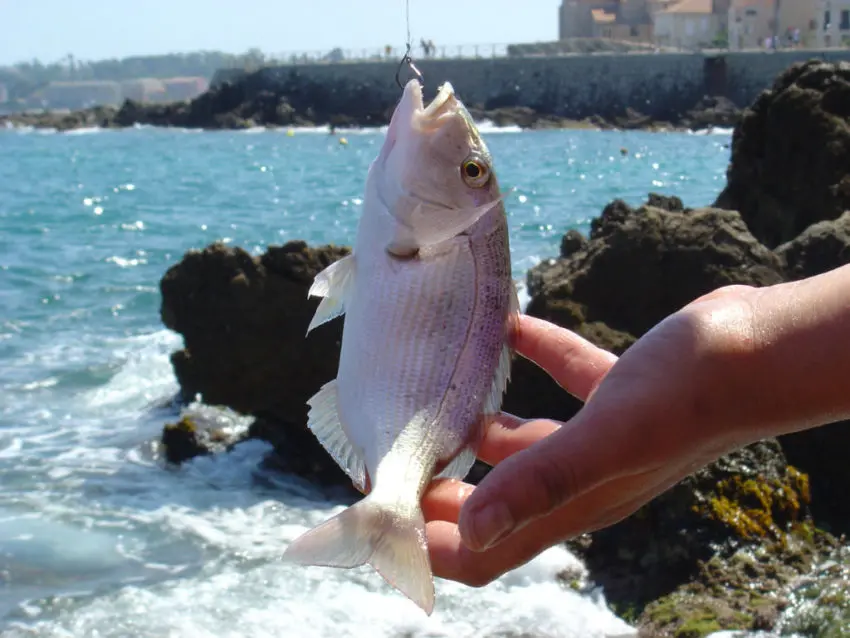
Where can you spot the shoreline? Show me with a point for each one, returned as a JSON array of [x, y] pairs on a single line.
[[214, 111], [8, 123]]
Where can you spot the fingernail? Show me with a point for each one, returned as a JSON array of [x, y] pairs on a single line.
[[488, 525]]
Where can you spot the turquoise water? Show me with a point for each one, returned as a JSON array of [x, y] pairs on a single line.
[[95, 535]]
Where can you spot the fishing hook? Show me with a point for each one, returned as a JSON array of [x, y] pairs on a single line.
[[406, 58]]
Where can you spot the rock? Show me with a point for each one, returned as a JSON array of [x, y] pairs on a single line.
[[821, 247], [181, 441], [284, 96], [751, 590], [572, 242], [636, 267], [712, 111], [791, 152], [199, 432], [632, 119], [243, 320], [640, 265], [819, 602], [821, 452], [747, 498]]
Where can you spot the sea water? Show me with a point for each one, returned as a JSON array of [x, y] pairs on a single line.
[[97, 536]]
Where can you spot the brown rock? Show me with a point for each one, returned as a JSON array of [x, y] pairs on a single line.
[[791, 153], [244, 322]]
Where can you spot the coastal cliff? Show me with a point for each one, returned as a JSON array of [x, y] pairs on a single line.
[[728, 547]]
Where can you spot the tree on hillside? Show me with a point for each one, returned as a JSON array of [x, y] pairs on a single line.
[[24, 78]]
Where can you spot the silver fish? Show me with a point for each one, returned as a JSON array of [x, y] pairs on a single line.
[[428, 300]]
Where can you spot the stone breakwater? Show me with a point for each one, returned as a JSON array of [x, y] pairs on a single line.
[[631, 91], [728, 547]]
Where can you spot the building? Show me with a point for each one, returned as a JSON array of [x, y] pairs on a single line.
[[687, 24], [143, 90], [623, 20], [178, 89], [797, 22], [830, 22], [575, 19], [77, 95], [751, 23]]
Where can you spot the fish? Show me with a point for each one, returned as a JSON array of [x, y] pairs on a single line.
[[428, 304]]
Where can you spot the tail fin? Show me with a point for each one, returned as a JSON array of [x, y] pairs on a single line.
[[389, 538]]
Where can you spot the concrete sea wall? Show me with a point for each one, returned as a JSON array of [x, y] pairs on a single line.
[[661, 85]]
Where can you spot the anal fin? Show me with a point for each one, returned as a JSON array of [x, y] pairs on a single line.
[[459, 466], [323, 421]]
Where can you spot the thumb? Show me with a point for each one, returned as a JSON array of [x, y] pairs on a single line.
[[533, 483]]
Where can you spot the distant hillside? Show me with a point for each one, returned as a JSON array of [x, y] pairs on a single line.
[[23, 79]]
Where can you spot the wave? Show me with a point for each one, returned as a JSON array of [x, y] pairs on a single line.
[[717, 130]]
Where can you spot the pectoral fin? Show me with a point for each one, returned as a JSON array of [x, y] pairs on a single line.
[[335, 284], [323, 421]]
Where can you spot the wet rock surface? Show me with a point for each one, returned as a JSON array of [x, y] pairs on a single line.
[[789, 165], [244, 321]]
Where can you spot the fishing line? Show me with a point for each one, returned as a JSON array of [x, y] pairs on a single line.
[[406, 57]]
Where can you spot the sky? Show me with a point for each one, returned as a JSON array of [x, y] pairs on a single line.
[[97, 29]]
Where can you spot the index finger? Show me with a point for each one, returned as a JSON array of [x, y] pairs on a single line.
[[573, 362]]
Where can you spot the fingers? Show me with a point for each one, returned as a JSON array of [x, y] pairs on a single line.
[[506, 435], [444, 498], [539, 479], [599, 508], [451, 558], [573, 362]]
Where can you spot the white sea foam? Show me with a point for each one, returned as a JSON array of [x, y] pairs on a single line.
[[716, 130], [485, 126], [85, 130], [195, 551], [488, 126]]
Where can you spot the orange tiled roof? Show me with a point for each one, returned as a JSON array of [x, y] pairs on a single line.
[[600, 15], [690, 6]]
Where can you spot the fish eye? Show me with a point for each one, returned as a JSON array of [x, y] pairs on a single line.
[[475, 172]]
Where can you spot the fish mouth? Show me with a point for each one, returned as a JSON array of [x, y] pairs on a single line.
[[444, 101]]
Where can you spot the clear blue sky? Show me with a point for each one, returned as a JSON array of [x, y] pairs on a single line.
[[95, 29]]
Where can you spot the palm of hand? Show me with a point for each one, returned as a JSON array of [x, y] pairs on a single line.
[[648, 422]]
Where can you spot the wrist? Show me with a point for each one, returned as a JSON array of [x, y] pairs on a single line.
[[803, 350], [792, 371]]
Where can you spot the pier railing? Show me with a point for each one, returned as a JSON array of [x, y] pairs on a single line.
[[572, 47]]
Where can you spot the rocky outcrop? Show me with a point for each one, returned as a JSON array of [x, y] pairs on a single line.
[[791, 152], [275, 97], [716, 551], [712, 111], [821, 247], [637, 267], [244, 321], [754, 514]]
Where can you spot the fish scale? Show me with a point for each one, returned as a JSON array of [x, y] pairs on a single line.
[[428, 300]]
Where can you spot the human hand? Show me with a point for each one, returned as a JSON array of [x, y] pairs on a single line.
[[650, 419]]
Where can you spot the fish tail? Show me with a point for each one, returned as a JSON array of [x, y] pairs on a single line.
[[389, 537]]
